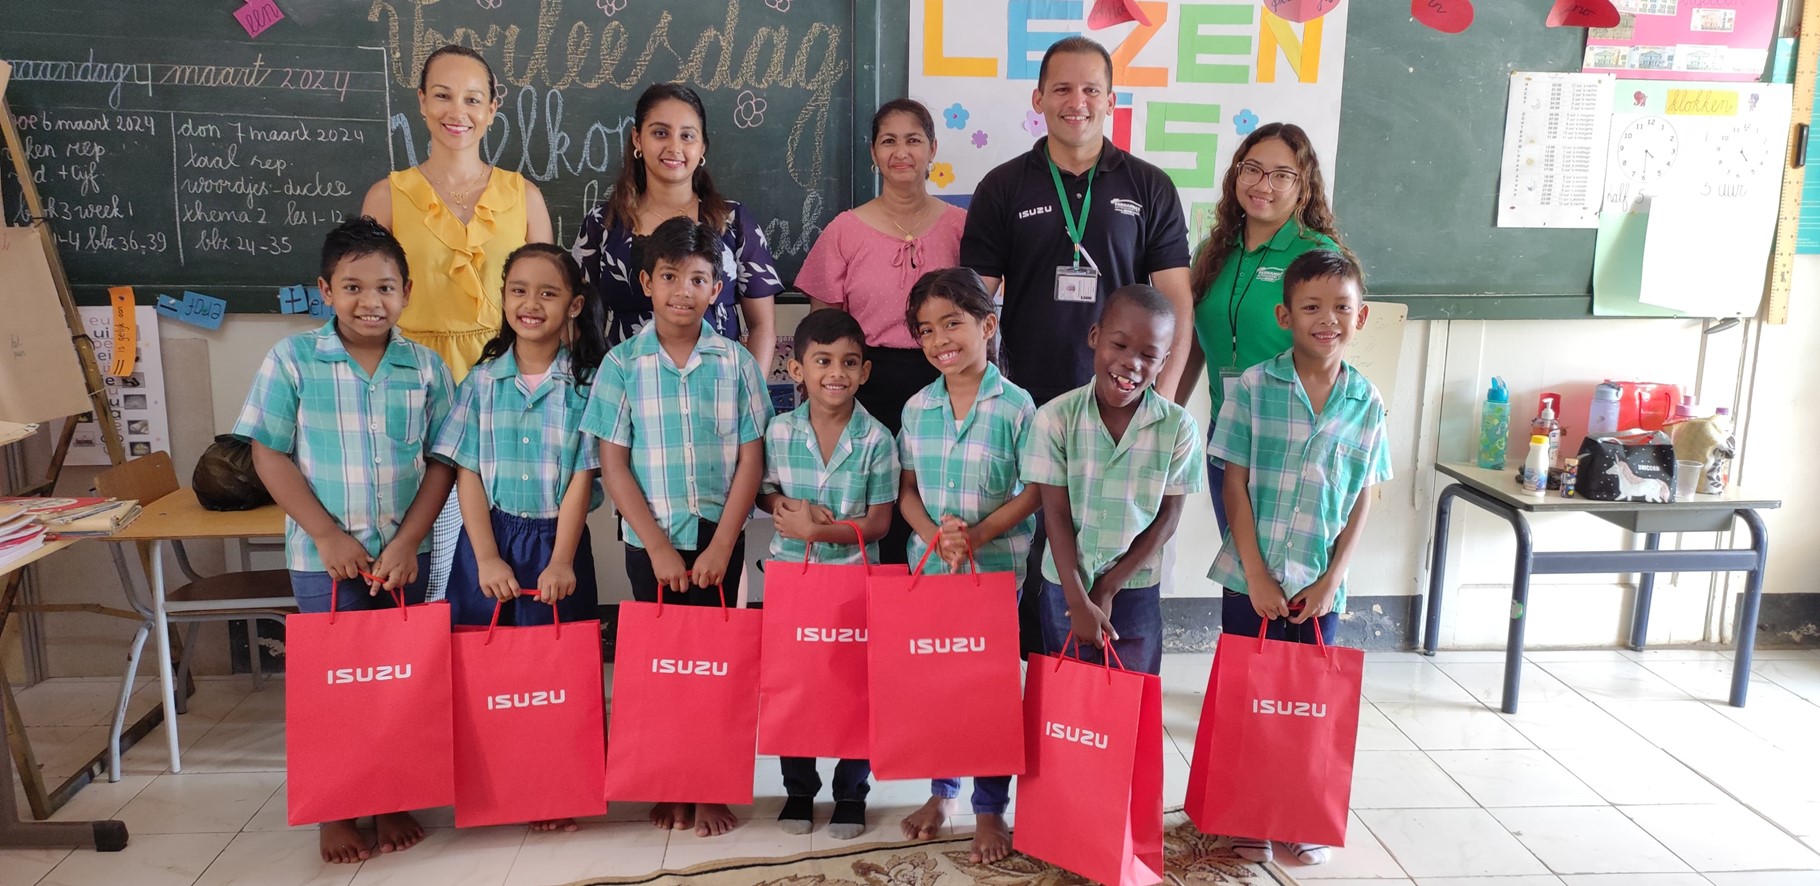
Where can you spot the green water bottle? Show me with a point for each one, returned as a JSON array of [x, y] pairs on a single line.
[[1494, 426]]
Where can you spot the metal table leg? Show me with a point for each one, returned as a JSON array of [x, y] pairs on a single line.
[[167, 680], [1437, 571], [1646, 591], [105, 836], [1753, 599], [1519, 610]]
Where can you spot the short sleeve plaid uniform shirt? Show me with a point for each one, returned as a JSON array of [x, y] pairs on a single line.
[[362, 442], [526, 445], [971, 470], [861, 473], [1114, 489], [684, 424], [1306, 469]]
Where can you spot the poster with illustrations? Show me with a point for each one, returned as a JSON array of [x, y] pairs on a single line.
[[137, 400], [1188, 86], [1684, 40]]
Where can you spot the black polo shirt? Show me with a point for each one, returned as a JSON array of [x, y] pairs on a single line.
[[1015, 231]]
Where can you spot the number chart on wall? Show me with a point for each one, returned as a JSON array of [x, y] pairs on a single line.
[[1189, 85]]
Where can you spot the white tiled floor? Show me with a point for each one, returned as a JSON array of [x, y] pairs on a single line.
[[1622, 769]]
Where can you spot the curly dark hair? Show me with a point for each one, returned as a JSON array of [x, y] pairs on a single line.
[[1313, 214]]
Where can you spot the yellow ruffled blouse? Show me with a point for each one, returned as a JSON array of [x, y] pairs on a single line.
[[457, 270]]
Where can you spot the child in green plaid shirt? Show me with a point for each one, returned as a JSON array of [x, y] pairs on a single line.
[[1303, 438], [341, 421], [828, 462], [961, 494], [680, 411]]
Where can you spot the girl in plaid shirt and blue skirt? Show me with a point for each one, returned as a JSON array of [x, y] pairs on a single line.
[[527, 477], [959, 449]]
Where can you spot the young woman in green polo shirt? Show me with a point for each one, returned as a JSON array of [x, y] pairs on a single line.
[[1273, 207]]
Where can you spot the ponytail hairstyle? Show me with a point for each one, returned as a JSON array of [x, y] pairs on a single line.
[[1312, 212], [584, 334], [630, 186], [456, 49]]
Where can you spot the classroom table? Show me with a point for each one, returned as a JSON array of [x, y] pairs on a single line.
[[179, 517], [104, 835], [1497, 491]]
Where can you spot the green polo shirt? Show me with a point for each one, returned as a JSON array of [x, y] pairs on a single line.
[[1253, 281]]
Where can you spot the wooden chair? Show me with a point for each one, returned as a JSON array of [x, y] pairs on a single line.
[[232, 596]]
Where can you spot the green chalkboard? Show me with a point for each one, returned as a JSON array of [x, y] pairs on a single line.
[[1416, 179], [174, 152]]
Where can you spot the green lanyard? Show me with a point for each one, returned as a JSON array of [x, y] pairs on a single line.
[[1076, 230]]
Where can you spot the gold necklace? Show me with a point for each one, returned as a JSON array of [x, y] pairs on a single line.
[[915, 222], [456, 197]]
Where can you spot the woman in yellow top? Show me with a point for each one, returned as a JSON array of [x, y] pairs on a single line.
[[457, 217]]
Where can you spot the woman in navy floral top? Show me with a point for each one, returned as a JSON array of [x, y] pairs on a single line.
[[665, 175]]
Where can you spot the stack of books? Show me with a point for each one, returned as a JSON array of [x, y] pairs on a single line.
[[19, 534], [76, 517]]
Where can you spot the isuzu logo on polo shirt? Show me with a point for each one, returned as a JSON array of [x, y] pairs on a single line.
[[1040, 210], [1287, 708], [945, 645], [1087, 737], [699, 667], [1270, 275], [1128, 207], [831, 635], [369, 675], [526, 699]]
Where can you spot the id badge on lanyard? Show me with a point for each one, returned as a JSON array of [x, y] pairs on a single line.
[[1074, 283], [1229, 382]]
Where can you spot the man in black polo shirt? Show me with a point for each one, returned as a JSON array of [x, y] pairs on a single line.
[[1069, 222]]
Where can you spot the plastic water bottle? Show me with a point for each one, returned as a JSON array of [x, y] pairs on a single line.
[[1602, 418], [1494, 426], [1546, 425], [1535, 467]]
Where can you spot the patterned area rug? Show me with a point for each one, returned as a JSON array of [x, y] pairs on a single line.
[[1192, 858]]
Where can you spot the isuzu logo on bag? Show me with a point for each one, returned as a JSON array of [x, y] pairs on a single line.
[[700, 667], [1287, 708], [369, 675], [831, 635], [944, 645], [1087, 737], [526, 699]]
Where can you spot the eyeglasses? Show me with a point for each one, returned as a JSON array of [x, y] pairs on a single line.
[[1280, 179]]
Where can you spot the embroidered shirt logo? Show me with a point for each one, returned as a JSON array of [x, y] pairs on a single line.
[[369, 675], [1039, 210], [526, 699], [1269, 275], [1128, 207]]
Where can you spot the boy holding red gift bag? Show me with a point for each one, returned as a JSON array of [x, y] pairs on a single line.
[[341, 421], [1303, 437], [680, 411], [830, 483]]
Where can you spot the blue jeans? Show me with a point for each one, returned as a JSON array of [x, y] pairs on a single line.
[[850, 778], [1216, 484], [312, 591], [991, 793], [1237, 617], [1137, 616]]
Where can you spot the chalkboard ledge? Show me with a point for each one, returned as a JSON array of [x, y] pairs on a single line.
[[1488, 306]]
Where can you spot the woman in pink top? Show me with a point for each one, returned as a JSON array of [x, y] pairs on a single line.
[[867, 258]]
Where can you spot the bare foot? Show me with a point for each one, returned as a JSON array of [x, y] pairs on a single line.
[[556, 824], [342, 843], [991, 839], [398, 831], [673, 816], [926, 822], [713, 819]]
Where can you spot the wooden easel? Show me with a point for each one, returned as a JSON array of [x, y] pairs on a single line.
[[23, 758]]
